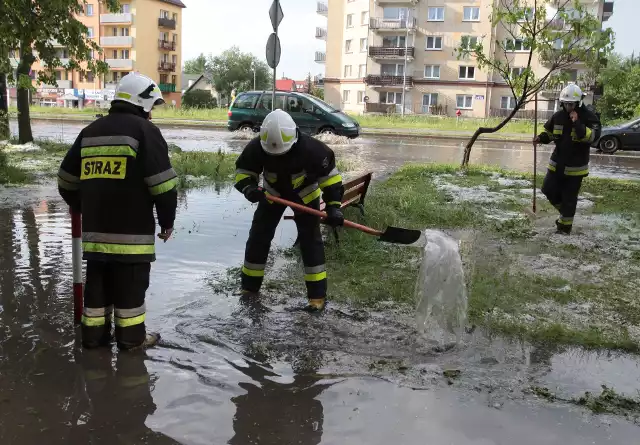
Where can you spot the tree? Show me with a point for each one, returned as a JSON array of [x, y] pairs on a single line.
[[196, 66], [199, 99], [234, 69], [621, 95], [557, 34], [38, 30]]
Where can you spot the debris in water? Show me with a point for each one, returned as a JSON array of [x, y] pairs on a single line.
[[452, 373], [29, 146], [441, 293]]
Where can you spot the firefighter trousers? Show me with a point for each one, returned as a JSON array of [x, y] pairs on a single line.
[[118, 289], [263, 229], [562, 192]]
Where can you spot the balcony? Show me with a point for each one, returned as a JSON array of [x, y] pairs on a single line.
[[124, 18], [380, 52], [166, 66], [123, 64], [321, 57], [377, 80], [322, 9], [166, 23], [608, 11], [167, 87], [66, 84], [167, 45], [380, 24], [321, 33], [119, 41]]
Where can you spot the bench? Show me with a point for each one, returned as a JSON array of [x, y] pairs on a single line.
[[355, 191]]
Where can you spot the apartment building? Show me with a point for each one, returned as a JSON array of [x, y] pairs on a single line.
[[144, 36], [381, 50]]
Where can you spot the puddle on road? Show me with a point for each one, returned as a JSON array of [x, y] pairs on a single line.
[[226, 374]]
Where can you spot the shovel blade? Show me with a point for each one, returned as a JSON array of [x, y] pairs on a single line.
[[398, 235]]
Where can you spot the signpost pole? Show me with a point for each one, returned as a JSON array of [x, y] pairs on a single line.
[[273, 96]]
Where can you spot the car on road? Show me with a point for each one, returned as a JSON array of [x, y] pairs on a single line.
[[313, 116], [620, 137]]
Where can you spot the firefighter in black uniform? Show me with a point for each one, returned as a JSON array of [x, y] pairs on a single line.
[[298, 168], [573, 129], [114, 174]]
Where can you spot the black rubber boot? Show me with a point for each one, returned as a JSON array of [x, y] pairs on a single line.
[[563, 229]]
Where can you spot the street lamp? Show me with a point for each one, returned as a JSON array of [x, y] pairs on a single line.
[[253, 67]]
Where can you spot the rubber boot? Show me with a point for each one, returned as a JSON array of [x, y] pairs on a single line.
[[151, 339], [316, 305], [563, 229]]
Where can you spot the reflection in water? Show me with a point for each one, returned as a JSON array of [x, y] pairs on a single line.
[[118, 400], [273, 413]]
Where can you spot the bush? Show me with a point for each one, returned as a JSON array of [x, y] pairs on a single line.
[[199, 99]]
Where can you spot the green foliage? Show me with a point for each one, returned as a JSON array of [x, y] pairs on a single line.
[[196, 66], [199, 99], [234, 69], [621, 96]]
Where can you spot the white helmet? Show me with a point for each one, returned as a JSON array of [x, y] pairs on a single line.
[[139, 90], [278, 133], [571, 93]]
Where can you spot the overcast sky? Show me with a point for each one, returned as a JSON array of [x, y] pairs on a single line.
[[208, 29]]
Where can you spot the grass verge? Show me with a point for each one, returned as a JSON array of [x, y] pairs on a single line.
[[523, 279]]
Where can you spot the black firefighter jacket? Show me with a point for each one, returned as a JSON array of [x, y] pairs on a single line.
[[573, 140], [115, 172], [301, 175]]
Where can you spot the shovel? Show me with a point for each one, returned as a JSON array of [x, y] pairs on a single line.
[[390, 235]]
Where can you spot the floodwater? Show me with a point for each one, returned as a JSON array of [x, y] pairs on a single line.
[[380, 154], [229, 374]]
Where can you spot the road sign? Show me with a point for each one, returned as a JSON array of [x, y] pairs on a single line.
[[273, 50], [275, 14]]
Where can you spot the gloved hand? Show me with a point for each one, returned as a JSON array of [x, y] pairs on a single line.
[[335, 217], [254, 194]]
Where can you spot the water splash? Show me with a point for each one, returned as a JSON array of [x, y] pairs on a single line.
[[441, 294], [334, 139]]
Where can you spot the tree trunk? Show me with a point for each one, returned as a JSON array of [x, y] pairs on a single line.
[[484, 130], [5, 133], [24, 120]]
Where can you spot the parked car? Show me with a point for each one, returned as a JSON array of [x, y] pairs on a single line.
[[620, 137], [312, 115]]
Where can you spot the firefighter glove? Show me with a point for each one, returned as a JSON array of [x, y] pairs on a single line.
[[254, 194], [335, 217]]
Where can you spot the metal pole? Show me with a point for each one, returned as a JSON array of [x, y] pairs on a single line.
[[76, 259], [404, 71], [535, 150], [273, 97], [254, 78]]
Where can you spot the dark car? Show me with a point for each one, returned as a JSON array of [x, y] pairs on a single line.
[[311, 114], [620, 137]]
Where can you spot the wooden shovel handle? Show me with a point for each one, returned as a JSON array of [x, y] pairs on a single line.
[[315, 212]]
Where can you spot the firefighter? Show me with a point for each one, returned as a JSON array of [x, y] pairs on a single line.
[[115, 172], [573, 129], [298, 168]]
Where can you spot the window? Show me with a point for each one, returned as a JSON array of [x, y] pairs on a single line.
[[364, 17], [516, 45], [265, 102], [436, 14], [360, 97], [125, 8], [114, 77], [347, 46], [90, 76], [90, 32], [464, 101], [164, 14], [164, 78], [175, 38], [429, 100], [89, 11], [469, 42], [517, 72], [174, 59], [297, 104], [471, 14], [165, 58], [175, 17], [114, 32], [432, 71], [395, 13], [124, 32], [387, 69], [164, 36], [390, 97], [527, 15], [363, 45], [347, 71], [174, 79], [467, 72], [125, 53], [393, 42], [115, 54], [346, 96], [349, 20], [247, 101], [507, 103], [58, 75], [558, 44], [362, 70], [434, 43]]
